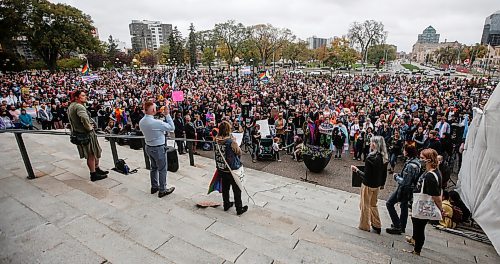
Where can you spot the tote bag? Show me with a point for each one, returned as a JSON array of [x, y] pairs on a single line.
[[423, 206]]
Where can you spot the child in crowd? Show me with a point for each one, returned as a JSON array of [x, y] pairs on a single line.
[[276, 149]]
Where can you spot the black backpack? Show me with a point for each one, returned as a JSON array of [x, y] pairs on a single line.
[[122, 167]]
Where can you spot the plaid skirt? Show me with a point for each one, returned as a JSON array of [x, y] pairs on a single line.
[[92, 148]]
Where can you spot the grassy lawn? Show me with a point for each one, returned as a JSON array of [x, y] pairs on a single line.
[[410, 67]]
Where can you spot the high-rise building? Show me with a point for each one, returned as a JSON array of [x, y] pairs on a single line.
[[315, 42], [148, 34], [428, 36], [491, 30]]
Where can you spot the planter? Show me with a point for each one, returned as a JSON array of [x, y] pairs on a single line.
[[316, 164]]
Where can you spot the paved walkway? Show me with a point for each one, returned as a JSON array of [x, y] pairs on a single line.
[[62, 217]]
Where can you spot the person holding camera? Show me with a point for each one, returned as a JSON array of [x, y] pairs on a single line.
[[154, 135]]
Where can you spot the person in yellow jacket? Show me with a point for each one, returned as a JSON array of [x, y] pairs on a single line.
[[448, 209]]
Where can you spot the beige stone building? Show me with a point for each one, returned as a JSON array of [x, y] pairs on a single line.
[[421, 51]]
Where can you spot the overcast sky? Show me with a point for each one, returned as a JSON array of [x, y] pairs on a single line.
[[461, 20]]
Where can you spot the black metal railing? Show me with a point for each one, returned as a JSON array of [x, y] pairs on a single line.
[[18, 133]]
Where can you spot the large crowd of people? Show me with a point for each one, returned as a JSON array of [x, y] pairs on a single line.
[[377, 118], [431, 111]]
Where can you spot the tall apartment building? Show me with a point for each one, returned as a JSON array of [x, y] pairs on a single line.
[[428, 36], [148, 34], [491, 30], [315, 42]]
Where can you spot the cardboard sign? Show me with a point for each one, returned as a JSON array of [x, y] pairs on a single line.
[[178, 96]]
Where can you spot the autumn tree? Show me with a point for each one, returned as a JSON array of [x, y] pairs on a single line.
[[295, 51], [147, 58], [231, 35], [269, 39], [367, 34]]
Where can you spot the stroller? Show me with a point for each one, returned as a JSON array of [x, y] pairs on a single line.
[[265, 149]]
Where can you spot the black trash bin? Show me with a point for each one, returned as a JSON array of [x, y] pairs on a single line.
[[172, 159], [356, 177]]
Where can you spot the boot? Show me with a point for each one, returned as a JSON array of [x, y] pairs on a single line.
[[101, 172], [94, 176], [242, 210]]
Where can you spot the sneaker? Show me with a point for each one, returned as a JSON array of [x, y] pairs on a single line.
[[254, 161], [359, 159], [166, 192], [154, 190], [242, 210], [354, 158], [393, 231], [279, 160]]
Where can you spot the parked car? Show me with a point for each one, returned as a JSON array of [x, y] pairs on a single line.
[[446, 73], [453, 70]]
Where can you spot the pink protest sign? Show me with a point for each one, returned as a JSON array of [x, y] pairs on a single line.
[[178, 96]]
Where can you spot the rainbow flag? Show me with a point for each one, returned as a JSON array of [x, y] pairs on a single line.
[[264, 76], [216, 183], [86, 69]]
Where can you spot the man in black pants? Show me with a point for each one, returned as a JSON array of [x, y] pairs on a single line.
[[179, 132]]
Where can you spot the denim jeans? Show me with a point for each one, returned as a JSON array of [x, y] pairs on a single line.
[[158, 158], [397, 221], [393, 158]]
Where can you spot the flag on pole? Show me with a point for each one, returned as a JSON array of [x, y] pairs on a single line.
[[86, 69]]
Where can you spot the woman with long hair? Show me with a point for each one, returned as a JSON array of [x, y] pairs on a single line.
[[228, 153], [373, 179], [431, 182]]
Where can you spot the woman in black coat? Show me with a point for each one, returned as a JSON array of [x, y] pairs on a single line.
[[374, 177]]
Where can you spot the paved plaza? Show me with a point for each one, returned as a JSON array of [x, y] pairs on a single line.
[[62, 217]]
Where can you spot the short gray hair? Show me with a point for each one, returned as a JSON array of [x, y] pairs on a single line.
[[380, 147]]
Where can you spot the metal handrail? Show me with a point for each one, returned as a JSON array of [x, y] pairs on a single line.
[[112, 140]]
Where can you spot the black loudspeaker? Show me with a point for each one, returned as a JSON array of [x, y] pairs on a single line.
[[356, 178], [172, 160]]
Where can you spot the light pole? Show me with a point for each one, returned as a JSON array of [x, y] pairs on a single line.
[[236, 62], [253, 78]]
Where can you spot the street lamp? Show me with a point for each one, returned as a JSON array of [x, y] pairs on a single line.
[[253, 78], [236, 62]]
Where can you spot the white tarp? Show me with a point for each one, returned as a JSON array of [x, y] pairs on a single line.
[[479, 177]]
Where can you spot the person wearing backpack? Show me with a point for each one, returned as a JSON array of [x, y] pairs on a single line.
[[404, 192], [451, 219]]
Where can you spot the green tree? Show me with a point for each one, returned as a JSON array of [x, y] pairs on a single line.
[[69, 63], [12, 21], [367, 34], [295, 51], [379, 53], [208, 57], [175, 46], [54, 29], [192, 46], [231, 35], [162, 54]]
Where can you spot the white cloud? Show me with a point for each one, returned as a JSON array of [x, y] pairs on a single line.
[[454, 19]]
